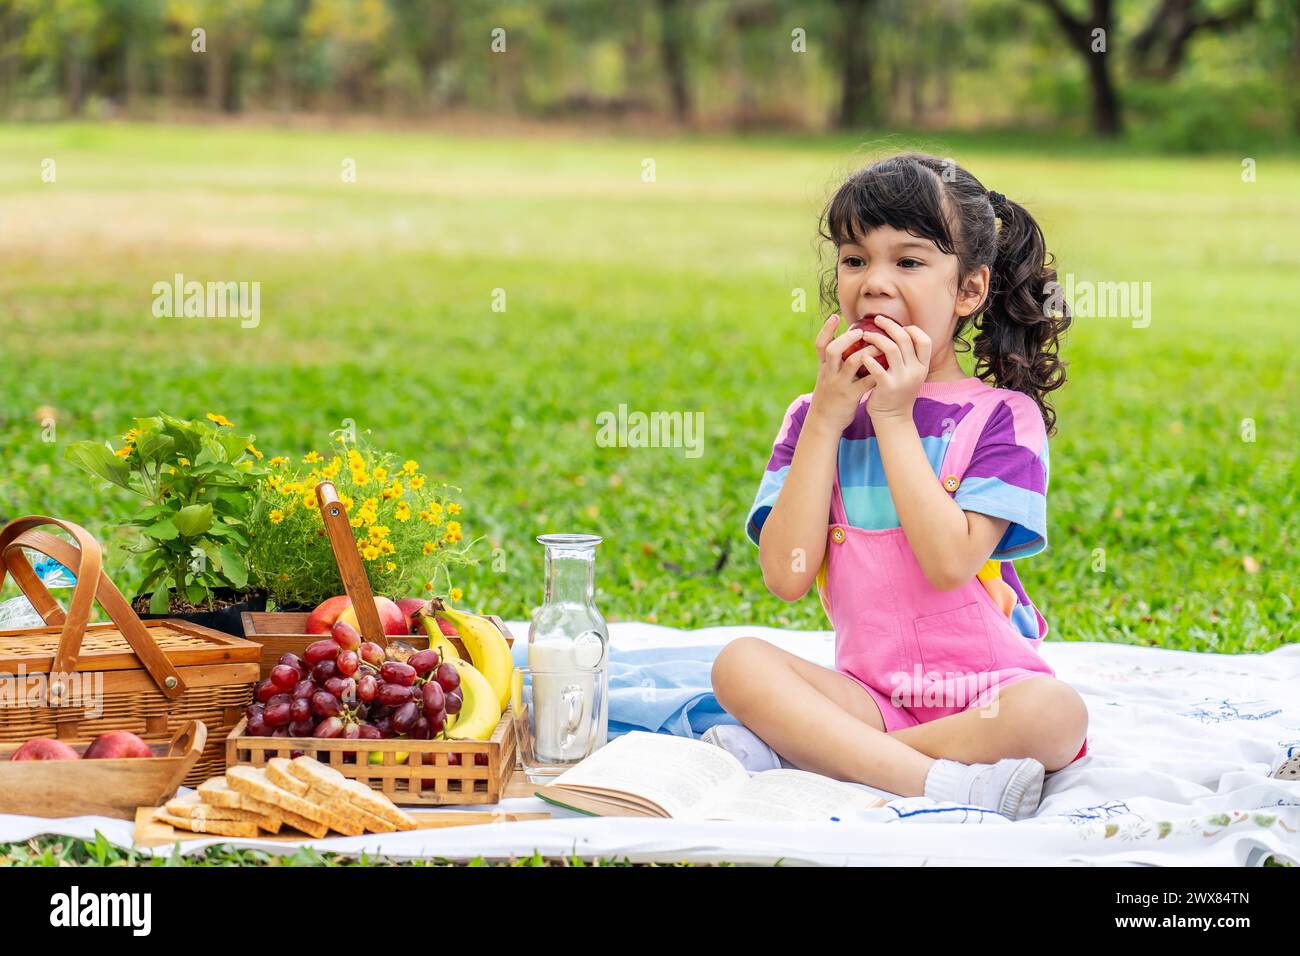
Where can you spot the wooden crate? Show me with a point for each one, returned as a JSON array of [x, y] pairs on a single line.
[[78, 680], [284, 632], [111, 788], [427, 778]]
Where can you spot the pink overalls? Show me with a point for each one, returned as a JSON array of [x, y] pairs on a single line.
[[921, 653]]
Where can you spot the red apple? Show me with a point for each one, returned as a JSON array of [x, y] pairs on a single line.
[[116, 744], [411, 607], [390, 616], [326, 613], [42, 748], [335, 609], [866, 325]]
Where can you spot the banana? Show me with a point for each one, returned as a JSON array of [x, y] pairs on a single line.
[[438, 640], [486, 645], [479, 712]]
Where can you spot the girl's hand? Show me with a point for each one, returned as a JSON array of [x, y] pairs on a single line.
[[908, 350], [838, 391]]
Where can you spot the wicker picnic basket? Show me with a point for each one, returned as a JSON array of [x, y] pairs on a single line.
[[406, 770], [72, 680]]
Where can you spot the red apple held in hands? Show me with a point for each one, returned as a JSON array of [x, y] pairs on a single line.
[[42, 748], [866, 324], [116, 744]]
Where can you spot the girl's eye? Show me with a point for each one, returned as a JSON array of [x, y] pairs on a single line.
[[917, 261], [853, 261]]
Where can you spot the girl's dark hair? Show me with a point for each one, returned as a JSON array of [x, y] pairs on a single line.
[[938, 200]]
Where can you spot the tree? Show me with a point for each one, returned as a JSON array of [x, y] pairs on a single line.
[[672, 42], [858, 104], [1161, 46], [1090, 38]]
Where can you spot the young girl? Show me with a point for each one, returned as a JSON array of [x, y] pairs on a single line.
[[934, 481]]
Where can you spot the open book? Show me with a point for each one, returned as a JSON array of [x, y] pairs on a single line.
[[642, 774]]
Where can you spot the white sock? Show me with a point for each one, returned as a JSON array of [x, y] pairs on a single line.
[[1012, 786], [746, 746]]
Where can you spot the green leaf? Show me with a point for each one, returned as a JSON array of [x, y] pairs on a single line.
[[164, 530], [234, 567], [193, 519], [197, 593], [154, 447], [99, 460], [160, 601]]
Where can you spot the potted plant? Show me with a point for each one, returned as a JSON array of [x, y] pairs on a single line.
[[408, 528], [197, 482]]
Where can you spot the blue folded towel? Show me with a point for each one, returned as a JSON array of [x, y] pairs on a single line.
[[660, 689]]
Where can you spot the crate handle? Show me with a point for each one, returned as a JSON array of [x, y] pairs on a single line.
[[348, 559], [86, 562], [188, 742]]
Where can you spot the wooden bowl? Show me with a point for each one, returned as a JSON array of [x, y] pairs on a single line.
[[110, 788]]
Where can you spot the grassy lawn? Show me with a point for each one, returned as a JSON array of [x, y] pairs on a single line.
[[671, 295]]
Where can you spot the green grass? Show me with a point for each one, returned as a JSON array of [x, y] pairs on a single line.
[[672, 295]]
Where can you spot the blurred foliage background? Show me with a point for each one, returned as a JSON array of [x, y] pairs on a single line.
[[1174, 74]]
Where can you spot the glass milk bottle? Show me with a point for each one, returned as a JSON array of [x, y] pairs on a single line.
[[569, 639]]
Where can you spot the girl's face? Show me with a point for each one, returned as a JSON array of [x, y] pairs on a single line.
[[891, 272]]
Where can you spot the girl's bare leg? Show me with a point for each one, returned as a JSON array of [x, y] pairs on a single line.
[[1039, 717], [816, 718]]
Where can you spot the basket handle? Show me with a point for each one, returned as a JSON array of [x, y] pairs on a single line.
[[351, 570], [86, 562]]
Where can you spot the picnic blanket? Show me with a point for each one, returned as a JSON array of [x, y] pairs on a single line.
[[1180, 746]]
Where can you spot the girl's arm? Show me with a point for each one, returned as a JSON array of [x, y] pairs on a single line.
[[792, 543], [950, 544]]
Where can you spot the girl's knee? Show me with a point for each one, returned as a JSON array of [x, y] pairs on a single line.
[[737, 664]]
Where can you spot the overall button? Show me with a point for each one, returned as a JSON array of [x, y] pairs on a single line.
[[951, 483], [837, 535]]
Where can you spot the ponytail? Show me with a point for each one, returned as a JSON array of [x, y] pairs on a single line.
[[1019, 329]]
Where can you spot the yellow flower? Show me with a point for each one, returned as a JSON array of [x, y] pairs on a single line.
[[435, 508], [387, 547], [453, 508], [451, 536], [453, 527], [403, 512], [429, 547], [330, 473], [359, 477], [183, 460], [410, 467], [417, 482], [279, 461], [456, 594], [274, 482], [255, 453], [380, 474], [293, 488], [220, 420], [354, 457], [428, 585], [311, 457], [276, 516], [347, 501], [370, 552], [390, 566], [309, 499], [124, 451], [378, 533]]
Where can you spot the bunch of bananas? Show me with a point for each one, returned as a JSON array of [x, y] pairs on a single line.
[[486, 680]]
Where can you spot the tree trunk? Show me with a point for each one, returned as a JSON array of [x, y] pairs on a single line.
[[73, 80], [1106, 118], [858, 105], [215, 81], [674, 60]]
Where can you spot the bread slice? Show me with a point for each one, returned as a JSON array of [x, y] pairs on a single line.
[[256, 782], [232, 828], [327, 785], [216, 792], [190, 806]]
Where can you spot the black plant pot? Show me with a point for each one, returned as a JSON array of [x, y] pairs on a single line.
[[225, 619]]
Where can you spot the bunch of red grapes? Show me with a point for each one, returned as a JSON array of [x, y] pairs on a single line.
[[343, 687]]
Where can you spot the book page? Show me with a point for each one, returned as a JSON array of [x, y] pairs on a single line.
[[677, 773], [789, 795]]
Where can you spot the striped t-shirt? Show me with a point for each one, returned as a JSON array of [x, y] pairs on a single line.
[[1007, 476]]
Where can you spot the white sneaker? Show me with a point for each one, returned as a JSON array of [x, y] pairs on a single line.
[[746, 746], [1012, 787]]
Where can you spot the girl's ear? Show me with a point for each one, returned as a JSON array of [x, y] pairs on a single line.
[[971, 296]]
